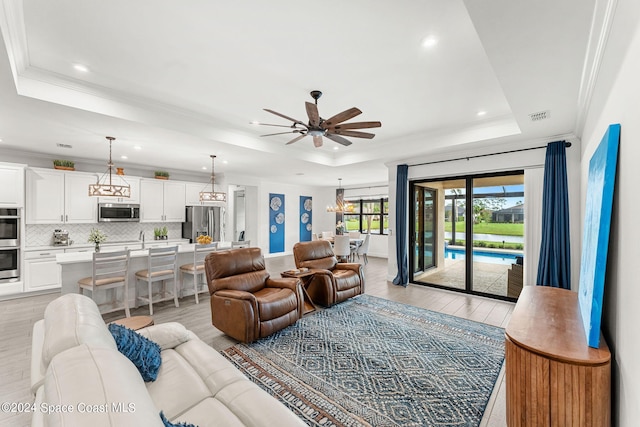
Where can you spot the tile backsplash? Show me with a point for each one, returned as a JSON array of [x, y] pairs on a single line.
[[42, 234]]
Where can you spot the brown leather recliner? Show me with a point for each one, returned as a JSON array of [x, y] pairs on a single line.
[[246, 303], [332, 282]]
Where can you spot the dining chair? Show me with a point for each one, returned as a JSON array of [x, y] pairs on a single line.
[[341, 247], [196, 269], [110, 270], [314, 236], [162, 265], [354, 234], [364, 248], [327, 235], [241, 244]]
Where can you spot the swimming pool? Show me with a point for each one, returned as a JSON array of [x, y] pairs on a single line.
[[483, 256]]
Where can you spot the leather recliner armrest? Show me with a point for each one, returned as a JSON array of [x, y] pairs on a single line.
[[285, 282], [354, 266], [235, 294]]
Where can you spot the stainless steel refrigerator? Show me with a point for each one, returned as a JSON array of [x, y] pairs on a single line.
[[204, 220]]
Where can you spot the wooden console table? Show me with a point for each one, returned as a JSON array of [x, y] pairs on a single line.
[[553, 378]]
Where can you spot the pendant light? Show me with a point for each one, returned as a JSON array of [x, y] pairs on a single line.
[[213, 195], [341, 206], [105, 187]]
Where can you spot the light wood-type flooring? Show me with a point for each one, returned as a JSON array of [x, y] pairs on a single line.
[[17, 317]]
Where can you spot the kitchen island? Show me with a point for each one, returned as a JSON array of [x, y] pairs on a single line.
[[77, 265]]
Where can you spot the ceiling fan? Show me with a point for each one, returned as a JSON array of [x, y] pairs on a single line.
[[333, 128]]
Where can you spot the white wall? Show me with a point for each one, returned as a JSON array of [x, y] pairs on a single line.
[[497, 163], [616, 99]]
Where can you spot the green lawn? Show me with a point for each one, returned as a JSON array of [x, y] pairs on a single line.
[[503, 228]]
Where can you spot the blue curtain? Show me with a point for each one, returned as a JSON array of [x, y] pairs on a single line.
[[402, 202], [554, 268]]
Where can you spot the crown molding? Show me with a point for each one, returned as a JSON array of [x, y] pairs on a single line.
[[602, 20]]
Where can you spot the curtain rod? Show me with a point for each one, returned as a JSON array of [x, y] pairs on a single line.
[[566, 144]]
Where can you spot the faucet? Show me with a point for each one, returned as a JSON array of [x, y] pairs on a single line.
[[141, 237]]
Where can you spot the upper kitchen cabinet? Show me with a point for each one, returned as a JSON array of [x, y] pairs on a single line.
[[55, 197], [133, 182], [12, 188], [162, 201]]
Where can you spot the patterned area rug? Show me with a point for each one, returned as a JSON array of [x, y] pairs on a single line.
[[373, 362]]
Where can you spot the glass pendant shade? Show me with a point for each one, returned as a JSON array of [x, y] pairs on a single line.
[[105, 186], [213, 195]]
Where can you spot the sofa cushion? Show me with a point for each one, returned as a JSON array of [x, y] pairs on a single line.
[[167, 335], [178, 386], [102, 387], [141, 351], [72, 320], [275, 302]]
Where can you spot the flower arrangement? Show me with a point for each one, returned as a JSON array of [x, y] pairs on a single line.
[[96, 236], [340, 228], [204, 239]]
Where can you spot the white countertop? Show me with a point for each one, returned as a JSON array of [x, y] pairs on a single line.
[[77, 257]]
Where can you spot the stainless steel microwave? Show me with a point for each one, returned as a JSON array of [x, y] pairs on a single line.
[[113, 212]]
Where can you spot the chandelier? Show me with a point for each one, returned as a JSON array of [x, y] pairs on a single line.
[[341, 206], [106, 188], [213, 195]]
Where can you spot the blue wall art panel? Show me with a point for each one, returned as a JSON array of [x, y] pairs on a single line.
[[276, 223], [597, 223], [306, 217]]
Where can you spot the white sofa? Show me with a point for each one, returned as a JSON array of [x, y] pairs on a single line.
[[80, 379]]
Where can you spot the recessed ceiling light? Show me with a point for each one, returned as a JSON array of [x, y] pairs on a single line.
[[137, 147], [204, 168], [0, 139], [336, 148], [429, 42], [124, 157], [225, 162], [254, 122], [81, 68], [481, 113]]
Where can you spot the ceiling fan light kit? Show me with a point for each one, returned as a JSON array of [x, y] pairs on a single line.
[[106, 188], [333, 128]]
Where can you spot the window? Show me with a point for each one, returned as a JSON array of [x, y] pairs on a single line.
[[368, 216]]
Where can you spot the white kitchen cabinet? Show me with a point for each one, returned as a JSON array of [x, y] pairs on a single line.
[[162, 201], [12, 185], [41, 271], [55, 197], [133, 182]]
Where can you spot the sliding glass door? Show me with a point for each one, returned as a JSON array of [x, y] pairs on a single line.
[[424, 236], [468, 233]]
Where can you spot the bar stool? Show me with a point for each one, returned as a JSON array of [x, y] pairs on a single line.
[[110, 270], [161, 266], [196, 269]]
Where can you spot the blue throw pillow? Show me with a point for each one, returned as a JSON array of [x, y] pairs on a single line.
[[144, 353], [168, 423]]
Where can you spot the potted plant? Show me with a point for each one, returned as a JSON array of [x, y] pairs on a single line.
[[96, 236], [161, 174], [67, 165], [160, 233]]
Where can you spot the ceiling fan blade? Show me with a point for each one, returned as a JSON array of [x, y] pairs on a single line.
[[296, 139], [341, 117], [338, 139], [312, 112], [280, 133], [269, 124], [357, 125], [354, 133], [317, 140], [282, 115]]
